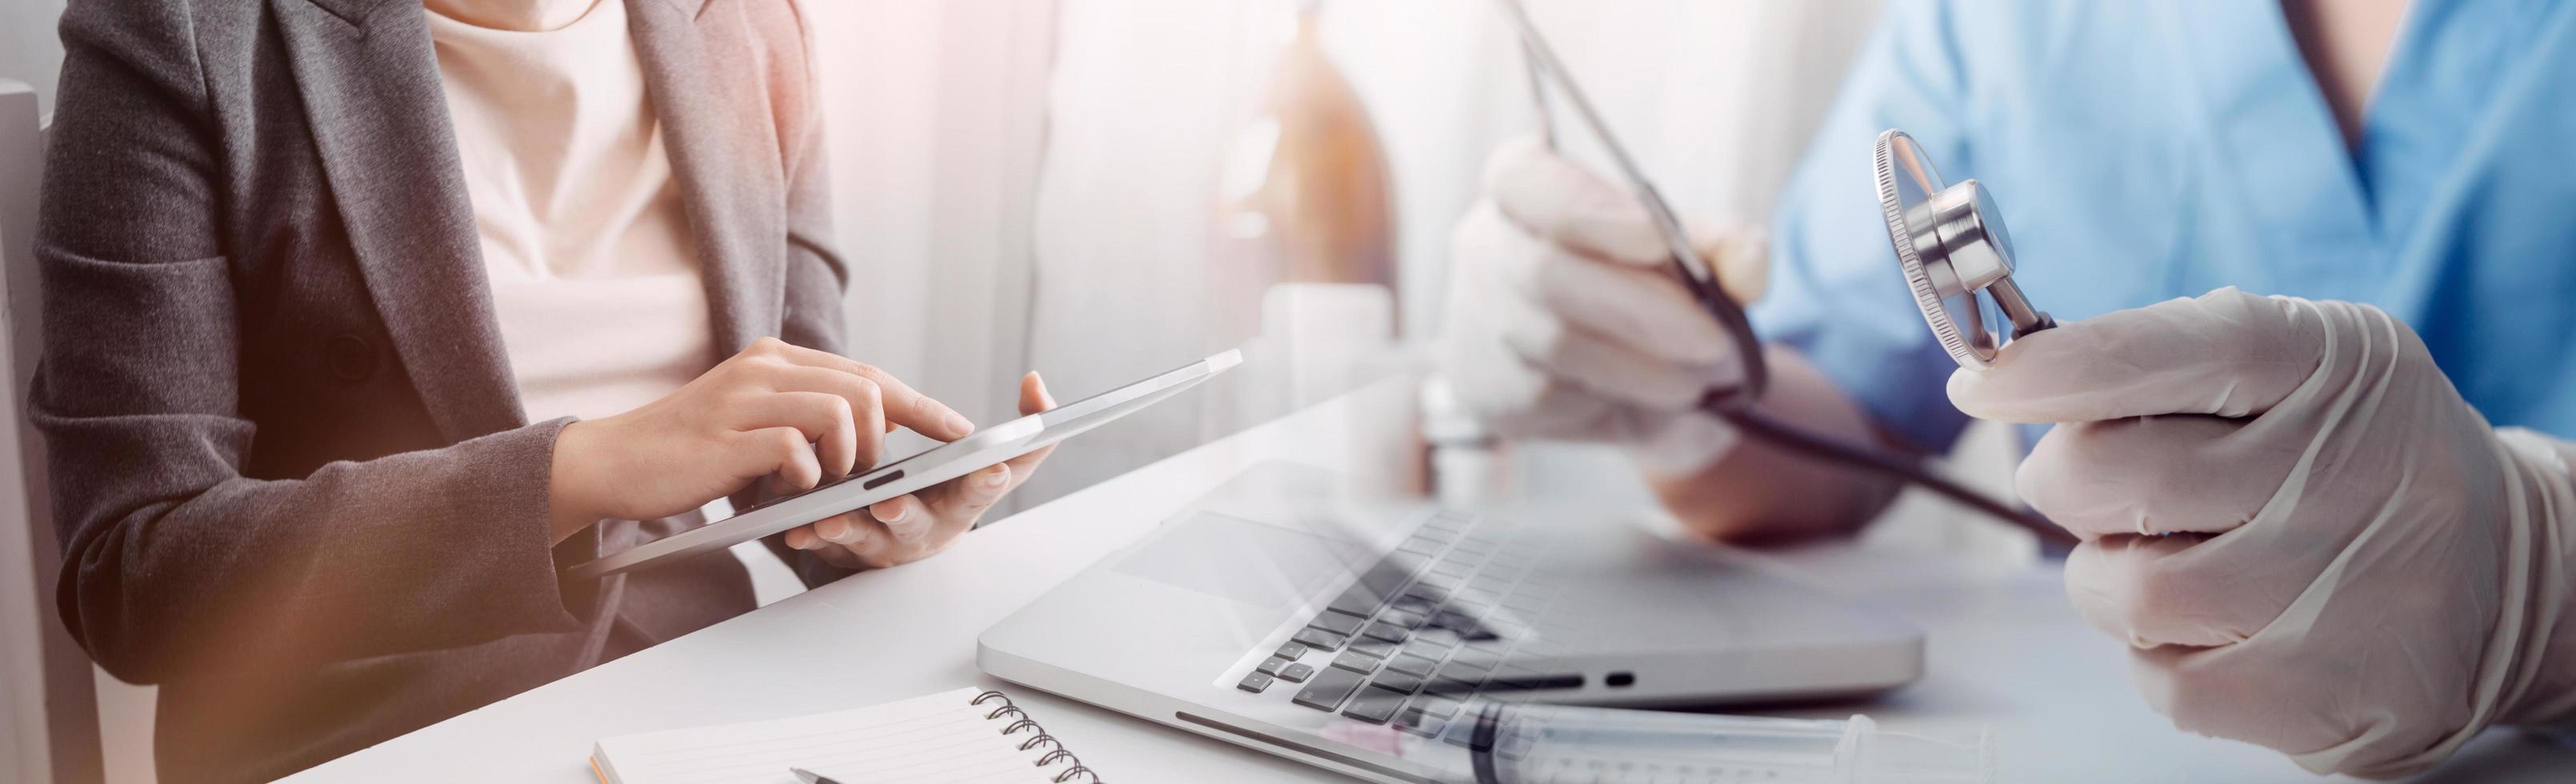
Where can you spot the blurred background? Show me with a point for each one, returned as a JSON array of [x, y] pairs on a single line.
[[1097, 188], [1103, 189]]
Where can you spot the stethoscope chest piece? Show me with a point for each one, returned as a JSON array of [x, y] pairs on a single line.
[[1957, 256]]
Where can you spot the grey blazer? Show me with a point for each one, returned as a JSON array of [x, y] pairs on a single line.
[[293, 482]]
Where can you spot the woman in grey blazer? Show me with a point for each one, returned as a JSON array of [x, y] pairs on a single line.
[[292, 475]]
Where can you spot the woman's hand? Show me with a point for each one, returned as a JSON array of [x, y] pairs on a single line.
[[911, 527], [775, 410]]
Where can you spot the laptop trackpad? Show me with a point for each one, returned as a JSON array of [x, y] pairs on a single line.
[[1247, 561]]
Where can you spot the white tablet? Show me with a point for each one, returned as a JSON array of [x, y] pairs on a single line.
[[985, 447]]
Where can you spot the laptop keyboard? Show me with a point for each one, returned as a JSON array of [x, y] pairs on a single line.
[[1435, 622]]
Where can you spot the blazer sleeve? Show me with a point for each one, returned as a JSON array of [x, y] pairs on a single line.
[[173, 559], [817, 277]]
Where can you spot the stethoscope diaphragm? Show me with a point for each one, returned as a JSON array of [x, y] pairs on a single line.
[[1957, 256]]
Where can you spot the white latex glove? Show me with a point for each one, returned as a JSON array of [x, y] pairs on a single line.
[[2310, 540], [1565, 321]]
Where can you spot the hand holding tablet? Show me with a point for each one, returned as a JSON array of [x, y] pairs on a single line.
[[982, 449], [908, 528]]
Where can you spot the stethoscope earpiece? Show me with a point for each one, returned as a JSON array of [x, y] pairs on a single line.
[[1951, 241]]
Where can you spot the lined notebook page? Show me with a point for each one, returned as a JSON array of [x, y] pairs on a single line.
[[942, 737]]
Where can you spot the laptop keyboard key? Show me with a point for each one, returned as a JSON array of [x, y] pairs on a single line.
[[1374, 706], [1462, 732], [1356, 662], [1427, 727], [1384, 631], [1437, 637], [1254, 683], [1328, 689], [1291, 650], [1318, 639], [1397, 682], [1414, 665], [1436, 707], [1413, 720], [1375, 648], [1450, 619], [1271, 667], [1444, 687], [1296, 673], [1336, 623], [1425, 649], [1470, 676], [1358, 602]]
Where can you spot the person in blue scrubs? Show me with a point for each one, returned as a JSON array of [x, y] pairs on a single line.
[[2337, 521]]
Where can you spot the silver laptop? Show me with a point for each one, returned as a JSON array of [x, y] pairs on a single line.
[[1287, 613]]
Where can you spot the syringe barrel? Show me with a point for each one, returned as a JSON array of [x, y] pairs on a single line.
[[1528, 744]]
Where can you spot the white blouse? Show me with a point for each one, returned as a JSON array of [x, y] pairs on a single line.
[[595, 276]]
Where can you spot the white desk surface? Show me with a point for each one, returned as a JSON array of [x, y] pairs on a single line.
[[2005, 648]]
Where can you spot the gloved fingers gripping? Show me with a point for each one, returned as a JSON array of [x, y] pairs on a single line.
[[1523, 400], [2226, 353], [1517, 398], [1741, 255], [1561, 202], [2151, 591], [1573, 355], [1645, 309], [2150, 475]]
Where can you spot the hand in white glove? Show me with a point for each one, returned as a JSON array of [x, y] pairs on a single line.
[[2312, 542], [1565, 320]]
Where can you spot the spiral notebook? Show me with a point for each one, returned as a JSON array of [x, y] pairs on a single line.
[[967, 736]]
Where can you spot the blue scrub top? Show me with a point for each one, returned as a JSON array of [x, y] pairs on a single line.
[[2153, 149]]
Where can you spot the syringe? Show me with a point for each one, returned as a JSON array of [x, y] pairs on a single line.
[[1539, 744]]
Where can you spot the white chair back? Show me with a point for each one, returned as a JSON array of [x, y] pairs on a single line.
[[64, 721]]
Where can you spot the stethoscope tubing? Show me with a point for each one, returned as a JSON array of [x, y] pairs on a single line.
[[1735, 404]]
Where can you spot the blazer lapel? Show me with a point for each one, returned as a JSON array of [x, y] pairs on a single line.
[[370, 87], [723, 143]]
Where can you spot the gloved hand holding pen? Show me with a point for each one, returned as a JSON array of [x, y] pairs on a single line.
[[2312, 542], [1565, 320]]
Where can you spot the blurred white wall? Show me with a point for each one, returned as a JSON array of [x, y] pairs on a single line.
[[935, 112], [30, 52]]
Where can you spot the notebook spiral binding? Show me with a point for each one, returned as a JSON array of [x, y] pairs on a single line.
[[1056, 752]]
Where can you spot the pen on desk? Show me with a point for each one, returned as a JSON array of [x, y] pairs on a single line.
[[810, 777]]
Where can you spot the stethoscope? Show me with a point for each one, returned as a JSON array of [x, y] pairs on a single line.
[[1958, 259], [1949, 240]]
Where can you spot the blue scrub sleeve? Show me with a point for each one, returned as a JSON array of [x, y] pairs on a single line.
[[1837, 295]]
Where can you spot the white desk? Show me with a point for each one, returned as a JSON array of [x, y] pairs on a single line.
[[2005, 649]]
